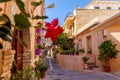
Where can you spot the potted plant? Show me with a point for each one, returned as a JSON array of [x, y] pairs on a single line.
[[81, 51], [85, 59], [107, 51], [72, 51], [40, 68]]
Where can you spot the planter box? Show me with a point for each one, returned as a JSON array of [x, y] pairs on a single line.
[[71, 62]]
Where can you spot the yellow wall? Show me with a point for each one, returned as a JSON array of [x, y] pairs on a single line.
[[83, 16]]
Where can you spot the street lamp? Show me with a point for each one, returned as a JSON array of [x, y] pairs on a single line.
[[47, 40], [50, 6]]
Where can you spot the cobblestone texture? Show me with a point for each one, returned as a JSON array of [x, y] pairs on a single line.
[[60, 74]]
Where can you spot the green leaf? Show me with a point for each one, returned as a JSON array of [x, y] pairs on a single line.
[[20, 5], [6, 27], [21, 41], [6, 38], [40, 17], [21, 21], [1, 78], [2, 33], [4, 1], [36, 3], [39, 24], [4, 18]]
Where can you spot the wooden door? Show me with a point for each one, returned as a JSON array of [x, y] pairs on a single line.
[[16, 45]]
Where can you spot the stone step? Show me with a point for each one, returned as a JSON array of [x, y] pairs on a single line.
[[97, 69]]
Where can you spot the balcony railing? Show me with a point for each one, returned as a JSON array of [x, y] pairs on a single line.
[[68, 15]]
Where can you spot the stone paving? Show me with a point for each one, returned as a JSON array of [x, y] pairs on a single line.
[[57, 73]]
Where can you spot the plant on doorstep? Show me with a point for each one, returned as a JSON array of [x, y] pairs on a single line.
[[41, 67], [107, 51], [80, 51], [85, 59]]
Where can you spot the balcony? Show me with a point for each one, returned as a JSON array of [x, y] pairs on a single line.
[[69, 19]]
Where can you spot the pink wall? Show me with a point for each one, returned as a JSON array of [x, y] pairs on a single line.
[[70, 62], [114, 34]]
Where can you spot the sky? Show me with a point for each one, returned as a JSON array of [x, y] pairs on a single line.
[[62, 8]]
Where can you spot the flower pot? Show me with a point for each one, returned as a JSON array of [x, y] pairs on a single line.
[[43, 74], [107, 68], [85, 66], [38, 51], [38, 30]]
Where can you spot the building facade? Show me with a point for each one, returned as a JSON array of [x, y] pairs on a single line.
[[80, 25], [23, 56], [104, 4]]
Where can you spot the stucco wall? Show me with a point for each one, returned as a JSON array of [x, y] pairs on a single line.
[[83, 16], [97, 37], [70, 62], [114, 34]]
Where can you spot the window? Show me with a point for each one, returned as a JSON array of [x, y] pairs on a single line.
[[108, 7], [97, 7], [89, 45]]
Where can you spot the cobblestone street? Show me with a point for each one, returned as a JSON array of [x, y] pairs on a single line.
[[56, 73]]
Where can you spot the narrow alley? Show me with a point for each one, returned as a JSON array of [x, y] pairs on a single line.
[[56, 73]]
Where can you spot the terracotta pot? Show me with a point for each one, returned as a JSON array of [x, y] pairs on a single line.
[[85, 66], [43, 74], [107, 68]]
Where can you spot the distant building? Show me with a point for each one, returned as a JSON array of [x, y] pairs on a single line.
[[104, 4]]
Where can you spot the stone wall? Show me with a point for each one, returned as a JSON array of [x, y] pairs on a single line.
[[7, 58]]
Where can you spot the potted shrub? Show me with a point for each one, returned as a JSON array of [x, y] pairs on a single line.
[[72, 51], [81, 51], [107, 51], [40, 68], [85, 59]]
